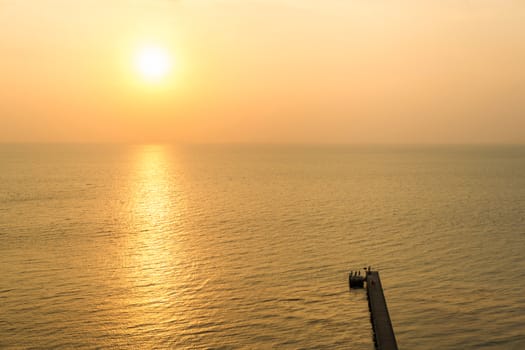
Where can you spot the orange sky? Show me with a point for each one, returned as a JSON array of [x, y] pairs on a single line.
[[380, 71]]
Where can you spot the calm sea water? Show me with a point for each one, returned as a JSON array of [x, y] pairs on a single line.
[[231, 247]]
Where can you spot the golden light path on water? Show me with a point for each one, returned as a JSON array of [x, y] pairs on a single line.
[[163, 270], [153, 250]]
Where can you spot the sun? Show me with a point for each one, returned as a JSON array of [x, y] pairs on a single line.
[[153, 63]]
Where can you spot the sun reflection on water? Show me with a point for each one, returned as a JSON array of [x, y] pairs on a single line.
[[153, 188], [153, 251]]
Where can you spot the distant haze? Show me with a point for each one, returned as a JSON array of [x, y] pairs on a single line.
[[334, 71]]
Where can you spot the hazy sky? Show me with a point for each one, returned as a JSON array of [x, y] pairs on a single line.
[[345, 71]]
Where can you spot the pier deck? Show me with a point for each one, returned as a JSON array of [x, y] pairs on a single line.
[[382, 326]]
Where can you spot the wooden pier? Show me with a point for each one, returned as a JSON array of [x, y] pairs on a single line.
[[384, 337]]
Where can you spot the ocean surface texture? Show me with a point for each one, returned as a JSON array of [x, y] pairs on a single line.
[[245, 247]]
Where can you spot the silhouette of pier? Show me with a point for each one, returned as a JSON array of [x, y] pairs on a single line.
[[384, 338]]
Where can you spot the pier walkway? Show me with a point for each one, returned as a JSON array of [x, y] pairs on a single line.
[[384, 337]]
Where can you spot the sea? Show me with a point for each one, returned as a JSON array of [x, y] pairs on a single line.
[[249, 246]]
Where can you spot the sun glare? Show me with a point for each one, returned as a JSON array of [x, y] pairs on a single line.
[[153, 63]]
